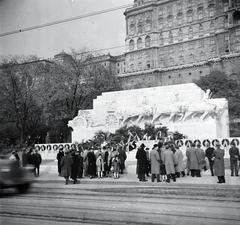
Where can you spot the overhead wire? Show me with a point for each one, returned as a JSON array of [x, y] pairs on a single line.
[[163, 39], [20, 30]]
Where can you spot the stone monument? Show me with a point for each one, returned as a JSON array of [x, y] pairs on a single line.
[[185, 108]]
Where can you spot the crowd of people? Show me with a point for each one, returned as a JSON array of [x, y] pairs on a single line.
[[76, 163], [165, 161]]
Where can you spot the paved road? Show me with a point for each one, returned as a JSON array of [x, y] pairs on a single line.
[[97, 202]]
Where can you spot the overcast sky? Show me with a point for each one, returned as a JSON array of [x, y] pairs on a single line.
[[97, 32]]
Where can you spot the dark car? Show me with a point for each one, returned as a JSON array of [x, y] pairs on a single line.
[[14, 176]]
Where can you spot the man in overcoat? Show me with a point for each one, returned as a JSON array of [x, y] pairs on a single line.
[[80, 168], [155, 163], [91, 163], [123, 156], [209, 154], [179, 162], [75, 166], [59, 159], [66, 166], [169, 162], [234, 157], [37, 160], [194, 164], [201, 159], [141, 157], [219, 168]]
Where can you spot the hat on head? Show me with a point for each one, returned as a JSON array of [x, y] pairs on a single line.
[[142, 145]]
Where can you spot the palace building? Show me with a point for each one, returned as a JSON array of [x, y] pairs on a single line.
[[177, 41]]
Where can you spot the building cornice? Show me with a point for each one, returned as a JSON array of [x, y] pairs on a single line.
[[154, 3], [135, 9]]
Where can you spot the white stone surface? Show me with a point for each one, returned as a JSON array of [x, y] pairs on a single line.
[[185, 108]]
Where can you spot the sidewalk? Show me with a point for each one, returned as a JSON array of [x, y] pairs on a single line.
[[48, 171]]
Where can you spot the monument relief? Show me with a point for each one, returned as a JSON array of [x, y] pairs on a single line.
[[185, 108]]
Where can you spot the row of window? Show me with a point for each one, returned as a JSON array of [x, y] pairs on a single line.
[[165, 61], [207, 45], [180, 18], [170, 39], [181, 60], [180, 4], [140, 43], [199, 13], [190, 45]]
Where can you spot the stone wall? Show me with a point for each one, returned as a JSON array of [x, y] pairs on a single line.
[[180, 74]]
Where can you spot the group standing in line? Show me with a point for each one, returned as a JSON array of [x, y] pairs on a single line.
[[165, 161]]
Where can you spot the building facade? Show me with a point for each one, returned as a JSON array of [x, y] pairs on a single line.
[[178, 41]]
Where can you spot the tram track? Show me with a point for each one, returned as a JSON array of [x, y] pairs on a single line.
[[121, 204], [217, 194], [86, 213]]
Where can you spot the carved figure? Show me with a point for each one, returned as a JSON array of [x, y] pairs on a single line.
[[202, 110], [207, 95]]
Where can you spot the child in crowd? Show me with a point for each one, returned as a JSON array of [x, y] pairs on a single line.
[[116, 166], [163, 173], [100, 166]]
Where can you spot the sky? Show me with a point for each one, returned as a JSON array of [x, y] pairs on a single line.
[[91, 33]]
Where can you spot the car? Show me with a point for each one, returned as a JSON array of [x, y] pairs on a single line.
[[12, 175]]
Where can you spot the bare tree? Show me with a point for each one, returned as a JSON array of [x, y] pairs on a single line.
[[75, 82], [18, 88]]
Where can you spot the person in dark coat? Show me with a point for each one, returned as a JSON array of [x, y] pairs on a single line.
[[194, 163], [141, 157], [201, 159], [106, 163], [116, 166], [37, 160], [66, 166], [209, 154], [75, 167], [234, 157], [91, 164], [122, 156], [219, 168], [148, 171], [59, 159], [80, 169]]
